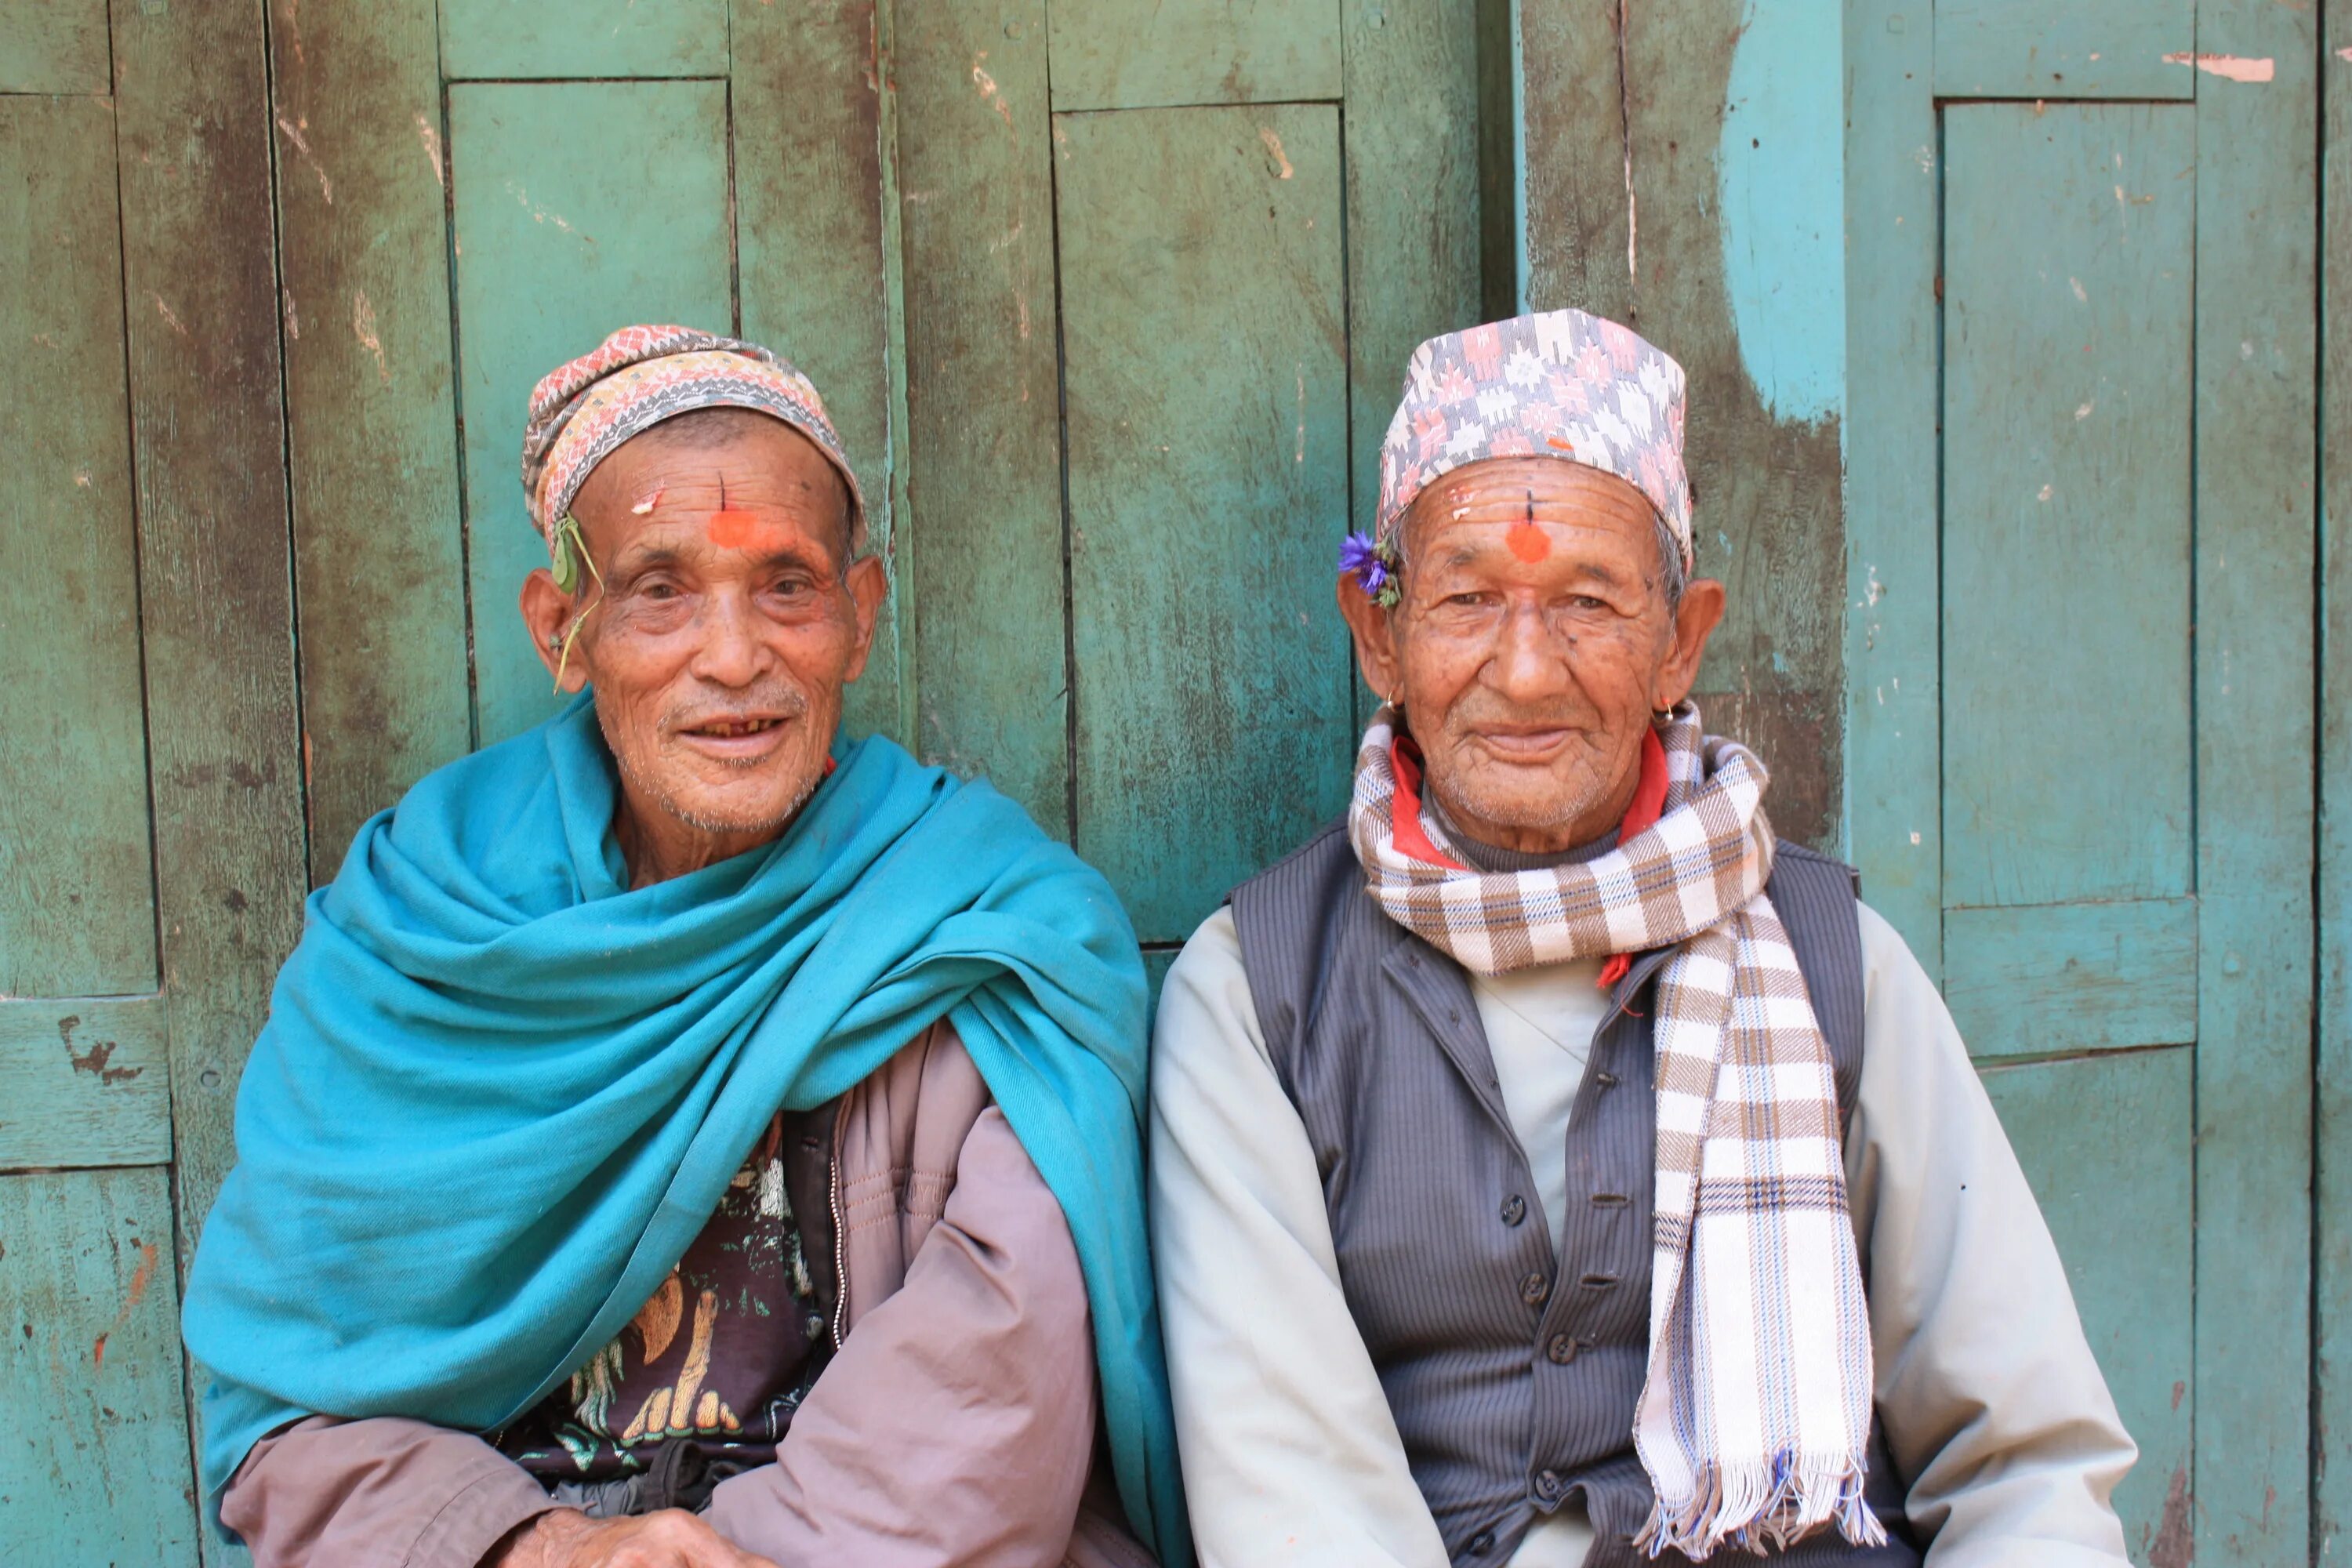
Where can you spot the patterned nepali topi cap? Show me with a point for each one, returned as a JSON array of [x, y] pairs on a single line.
[[580, 412], [1560, 383]]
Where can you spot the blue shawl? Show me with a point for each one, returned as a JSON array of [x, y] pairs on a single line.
[[499, 1091]]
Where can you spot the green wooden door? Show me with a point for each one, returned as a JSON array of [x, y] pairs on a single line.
[[2081, 669], [1114, 301]]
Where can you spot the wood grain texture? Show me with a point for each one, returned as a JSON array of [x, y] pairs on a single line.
[[97, 1472], [807, 106], [984, 398], [2054, 978], [1766, 485], [370, 409], [2085, 48], [2257, 284], [517, 40], [54, 45], [580, 208], [2332, 1100], [2067, 279], [1893, 761], [85, 1081], [2106, 1145], [76, 897], [209, 441], [1206, 376], [1146, 54]]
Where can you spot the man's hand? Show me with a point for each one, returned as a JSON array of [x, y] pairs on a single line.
[[670, 1539]]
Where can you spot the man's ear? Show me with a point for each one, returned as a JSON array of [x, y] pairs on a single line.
[[1375, 636], [869, 584], [1696, 619], [547, 613]]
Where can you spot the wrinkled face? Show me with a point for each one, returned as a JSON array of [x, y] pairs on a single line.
[[1531, 644], [727, 622]]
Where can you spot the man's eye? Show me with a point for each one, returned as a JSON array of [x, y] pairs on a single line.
[[657, 590], [1586, 602]]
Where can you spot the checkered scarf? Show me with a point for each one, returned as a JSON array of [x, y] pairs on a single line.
[[1755, 1418]]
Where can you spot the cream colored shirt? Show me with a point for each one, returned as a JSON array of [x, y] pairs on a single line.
[[1988, 1392]]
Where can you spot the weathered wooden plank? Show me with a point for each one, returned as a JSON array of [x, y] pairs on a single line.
[[810, 245], [984, 398], [2068, 282], [2332, 1102], [2046, 978], [1894, 761], [580, 208], [76, 897], [97, 1472], [519, 40], [1155, 963], [225, 753], [85, 1081], [371, 421], [2105, 1143], [2257, 287], [1718, 230], [1206, 383], [2085, 48], [1146, 54], [54, 45]]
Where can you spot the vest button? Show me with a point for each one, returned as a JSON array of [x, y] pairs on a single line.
[[1605, 1080], [1533, 1289], [1548, 1486], [1561, 1350], [1514, 1209], [1482, 1543]]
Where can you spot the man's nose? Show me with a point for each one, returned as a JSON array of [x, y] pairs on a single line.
[[1530, 661], [730, 652]]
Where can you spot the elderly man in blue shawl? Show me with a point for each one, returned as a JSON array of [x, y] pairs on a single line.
[[687, 1137]]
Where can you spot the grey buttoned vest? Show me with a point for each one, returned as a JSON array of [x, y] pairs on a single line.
[[1513, 1366]]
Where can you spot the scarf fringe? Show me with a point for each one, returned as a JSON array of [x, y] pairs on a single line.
[[1755, 1511]]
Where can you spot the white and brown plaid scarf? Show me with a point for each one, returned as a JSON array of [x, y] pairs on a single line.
[[1754, 1422]]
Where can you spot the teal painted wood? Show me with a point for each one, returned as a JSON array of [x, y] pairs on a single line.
[[2332, 1102], [97, 1469], [370, 412], [1578, 229], [77, 900], [2068, 243], [54, 45], [1157, 960], [84, 1082], [1893, 758], [1208, 493], [515, 40], [2257, 286], [580, 208], [2106, 1144], [1146, 54], [2053, 978], [984, 571], [2085, 48], [814, 278]]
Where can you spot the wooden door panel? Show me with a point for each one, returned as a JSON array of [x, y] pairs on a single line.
[[94, 1466], [2107, 1144], [521, 40], [84, 1082], [1206, 382], [54, 45], [1148, 53], [76, 880], [2069, 235], [2048, 978], [579, 207], [2078, 49]]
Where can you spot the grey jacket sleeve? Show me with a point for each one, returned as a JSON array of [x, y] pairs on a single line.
[[380, 1493], [1993, 1405]]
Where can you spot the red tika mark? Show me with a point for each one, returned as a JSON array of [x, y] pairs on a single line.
[[730, 529], [1527, 542]]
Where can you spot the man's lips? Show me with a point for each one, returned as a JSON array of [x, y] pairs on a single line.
[[736, 737], [1524, 745]]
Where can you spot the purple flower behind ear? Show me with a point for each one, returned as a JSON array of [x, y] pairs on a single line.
[[1372, 566]]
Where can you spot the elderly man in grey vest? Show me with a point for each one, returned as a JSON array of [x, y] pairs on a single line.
[[1551, 1166]]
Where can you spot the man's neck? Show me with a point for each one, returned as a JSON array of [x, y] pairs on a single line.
[[658, 845], [1483, 855]]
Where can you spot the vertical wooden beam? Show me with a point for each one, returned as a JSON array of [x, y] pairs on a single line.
[[984, 453], [810, 248], [2255, 466], [1894, 762], [208, 446], [1578, 222], [372, 422]]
